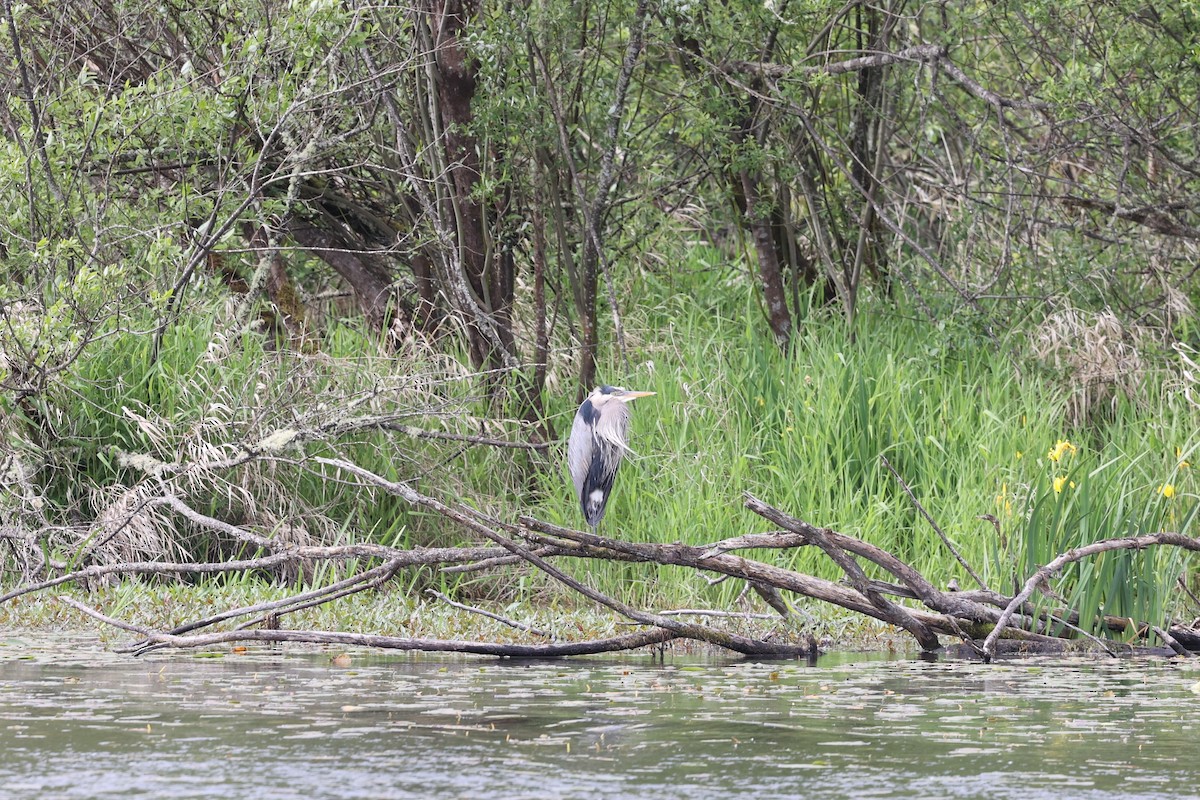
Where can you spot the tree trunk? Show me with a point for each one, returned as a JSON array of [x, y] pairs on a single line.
[[488, 276], [867, 149], [368, 276], [769, 273]]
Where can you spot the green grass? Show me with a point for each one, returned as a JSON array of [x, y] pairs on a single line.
[[968, 431]]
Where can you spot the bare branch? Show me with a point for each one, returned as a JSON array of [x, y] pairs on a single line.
[[407, 558], [975, 88], [521, 626], [1156, 218], [469, 518], [630, 641], [711, 612], [917, 54], [107, 620], [1169, 539]]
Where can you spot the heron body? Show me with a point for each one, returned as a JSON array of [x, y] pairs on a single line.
[[597, 445]]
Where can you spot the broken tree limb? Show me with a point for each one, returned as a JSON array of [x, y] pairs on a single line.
[[890, 612], [589, 545], [1043, 574], [917, 54], [947, 603], [429, 556], [630, 641], [107, 620], [712, 612], [362, 581], [956, 606], [771, 596], [1171, 642], [483, 612]]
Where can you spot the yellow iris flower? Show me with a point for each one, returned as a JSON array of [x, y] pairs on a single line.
[[1061, 448], [1060, 482]]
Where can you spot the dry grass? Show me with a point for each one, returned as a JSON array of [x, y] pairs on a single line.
[[1097, 355], [128, 528], [222, 423]]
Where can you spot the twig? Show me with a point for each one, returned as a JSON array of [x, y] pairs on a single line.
[[595, 213], [366, 581], [281, 438], [407, 558], [91, 612], [512, 623], [964, 636], [390, 423], [273, 617], [1096, 640], [1183, 585], [502, 561], [709, 612], [287, 605], [945, 539], [977, 89], [27, 95]]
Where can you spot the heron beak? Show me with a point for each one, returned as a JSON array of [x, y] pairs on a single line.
[[625, 397]]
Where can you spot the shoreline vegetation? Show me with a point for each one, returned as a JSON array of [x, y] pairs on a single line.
[[302, 298], [980, 618], [1002, 491]]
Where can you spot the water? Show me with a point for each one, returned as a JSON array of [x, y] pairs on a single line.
[[79, 722]]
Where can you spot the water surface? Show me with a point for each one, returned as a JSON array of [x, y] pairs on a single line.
[[77, 721]]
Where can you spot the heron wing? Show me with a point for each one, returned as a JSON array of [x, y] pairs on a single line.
[[581, 447], [597, 486]]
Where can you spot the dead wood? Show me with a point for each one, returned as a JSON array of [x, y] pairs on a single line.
[[933, 523], [712, 558], [473, 520], [893, 593], [483, 612], [1077, 554], [629, 641], [889, 612]]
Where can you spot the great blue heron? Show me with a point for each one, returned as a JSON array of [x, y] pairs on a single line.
[[597, 445]]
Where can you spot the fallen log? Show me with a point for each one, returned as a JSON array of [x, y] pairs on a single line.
[[875, 583]]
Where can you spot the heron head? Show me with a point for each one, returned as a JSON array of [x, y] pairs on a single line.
[[604, 394]]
